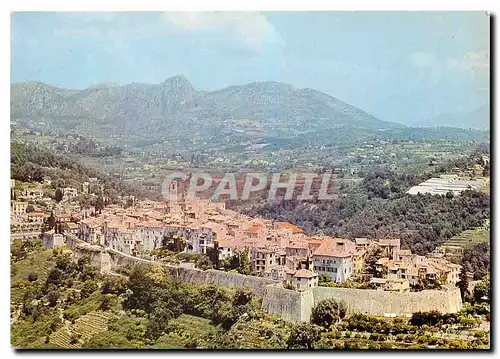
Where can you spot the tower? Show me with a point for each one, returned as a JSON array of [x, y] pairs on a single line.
[[172, 191]]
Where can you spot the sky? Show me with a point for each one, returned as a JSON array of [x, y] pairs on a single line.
[[401, 67]]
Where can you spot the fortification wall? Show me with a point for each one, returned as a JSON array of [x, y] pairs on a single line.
[[297, 306], [219, 278], [119, 259], [196, 276], [382, 303], [285, 303], [99, 259]]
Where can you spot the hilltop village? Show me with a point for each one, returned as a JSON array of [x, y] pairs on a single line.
[[275, 250]]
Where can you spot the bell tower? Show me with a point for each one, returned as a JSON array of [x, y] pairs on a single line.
[[172, 191]]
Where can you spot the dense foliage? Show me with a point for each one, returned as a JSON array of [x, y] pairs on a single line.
[[379, 207], [148, 309], [32, 163], [328, 312], [476, 259]]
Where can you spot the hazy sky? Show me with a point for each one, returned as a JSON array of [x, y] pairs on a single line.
[[400, 67]]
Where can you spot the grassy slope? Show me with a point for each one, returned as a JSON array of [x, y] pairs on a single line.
[[38, 263]]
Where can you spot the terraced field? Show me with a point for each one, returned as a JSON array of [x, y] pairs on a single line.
[[456, 244], [195, 325], [74, 335]]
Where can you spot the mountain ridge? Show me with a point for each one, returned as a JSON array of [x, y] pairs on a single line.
[[174, 111], [175, 114]]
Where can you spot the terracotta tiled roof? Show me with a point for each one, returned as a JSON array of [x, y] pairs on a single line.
[[233, 244], [298, 244], [335, 247], [92, 222], [305, 273], [254, 229], [151, 224], [286, 225], [36, 214]]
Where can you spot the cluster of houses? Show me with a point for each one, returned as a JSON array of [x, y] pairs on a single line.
[[31, 207], [277, 250], [399, 268]]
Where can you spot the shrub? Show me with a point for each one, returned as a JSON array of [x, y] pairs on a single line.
[[303, 336], [328, 312], [88, 288]]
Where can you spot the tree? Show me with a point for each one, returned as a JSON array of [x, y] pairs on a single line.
[[243, 296], [476, 259], [72, 297], [32, 277], [203, 262], [82, 262], [50, 222], [88, 288], [323, 278], [129, 203], [213, 255], [30, 208], [463, 284], [114, 285], [89, 272], [158, 322], [371, 260], [240, 261], [303, 336], [58, 196], [107, 301], [53, 297], [482, 291], [175, 243], [55, 277], [139, 288], [99, 205], [486, 170], [328, 312]]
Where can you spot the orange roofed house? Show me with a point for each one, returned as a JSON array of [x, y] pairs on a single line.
[[334, 258]]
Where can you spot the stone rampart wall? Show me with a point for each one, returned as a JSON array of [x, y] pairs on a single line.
[[297, 306]]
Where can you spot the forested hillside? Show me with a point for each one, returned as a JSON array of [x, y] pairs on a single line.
[[379, 207], [31, 163]]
